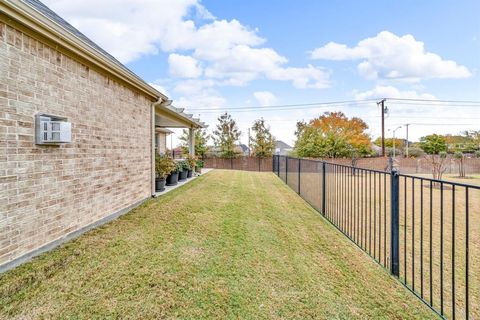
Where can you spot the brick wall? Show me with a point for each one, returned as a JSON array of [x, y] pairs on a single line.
[[49, 191]]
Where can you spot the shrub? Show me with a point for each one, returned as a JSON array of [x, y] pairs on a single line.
[[185, 165], [164, 165], [477, 154], [200, 164], [415, 152], [178, 166], [192, 161]]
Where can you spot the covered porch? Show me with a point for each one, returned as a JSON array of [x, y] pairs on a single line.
[[166, 117]]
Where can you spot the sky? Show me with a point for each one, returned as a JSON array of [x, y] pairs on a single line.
[[214, 55]]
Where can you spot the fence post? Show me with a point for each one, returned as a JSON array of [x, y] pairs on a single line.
[[278, 165], [324, 184], [395, 225], [286, 170], [299, 169]]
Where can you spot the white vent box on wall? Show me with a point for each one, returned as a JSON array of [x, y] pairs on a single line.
[[52, 129]]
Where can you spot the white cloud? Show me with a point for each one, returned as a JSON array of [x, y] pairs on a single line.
[[309, 77], [184, 66], [391, 92], [193, 86], [388, 56], [160, 88], [265, 98], [229, 51]]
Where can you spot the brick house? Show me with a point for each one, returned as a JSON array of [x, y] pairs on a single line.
[[53, 192]]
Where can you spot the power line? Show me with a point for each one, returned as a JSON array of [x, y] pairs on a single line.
[[437, 124], [434, 100], [344, 103], [288, 106]]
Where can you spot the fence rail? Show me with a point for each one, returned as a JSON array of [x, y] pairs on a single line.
[[426, 232]]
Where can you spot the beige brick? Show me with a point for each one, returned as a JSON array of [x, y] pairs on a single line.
[[49, 191]]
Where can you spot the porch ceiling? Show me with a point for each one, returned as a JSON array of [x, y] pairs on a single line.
[[171, 117]]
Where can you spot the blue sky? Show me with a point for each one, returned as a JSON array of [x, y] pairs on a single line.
[[222, 54]]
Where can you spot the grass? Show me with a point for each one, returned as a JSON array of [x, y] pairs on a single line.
[[357, 204], [228, 245]]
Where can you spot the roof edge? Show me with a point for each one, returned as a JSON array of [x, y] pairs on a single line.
[[54, 32]]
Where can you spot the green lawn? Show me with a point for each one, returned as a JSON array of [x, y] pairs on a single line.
[[228, 245]]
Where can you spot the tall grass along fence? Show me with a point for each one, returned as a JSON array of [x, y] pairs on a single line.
[[242, 163], [426, 232]]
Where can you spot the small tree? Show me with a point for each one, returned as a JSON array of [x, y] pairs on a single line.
[[226, 136], [461, 163], [201, 140], [435, 147], [263, 143]]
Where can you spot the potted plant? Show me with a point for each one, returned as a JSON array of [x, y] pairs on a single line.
[[192, 161], [199, 165], [172, 178], [163, 168], [183, 165]]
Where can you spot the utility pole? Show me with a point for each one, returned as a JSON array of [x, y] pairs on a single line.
[[382, 103], [249, 144], [406, 142], [394, 141]]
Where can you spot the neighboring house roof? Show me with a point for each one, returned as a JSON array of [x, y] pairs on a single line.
[[279, 144], [244, 147], [37, 16]]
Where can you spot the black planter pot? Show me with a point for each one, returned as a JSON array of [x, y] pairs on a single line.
[[160, 184], [189, 173], [172, 179], [182, 175]]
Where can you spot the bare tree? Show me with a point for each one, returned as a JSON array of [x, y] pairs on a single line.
[[461, 163]]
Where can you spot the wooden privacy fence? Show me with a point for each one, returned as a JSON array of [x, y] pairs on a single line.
[[404, 165], [243, 163], [410, 165]]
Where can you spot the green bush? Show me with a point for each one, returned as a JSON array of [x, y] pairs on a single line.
[[200, 164], [178, 166], [164, 165], [185, 165]]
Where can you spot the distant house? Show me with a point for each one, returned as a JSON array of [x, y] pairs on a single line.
[[281, 148], [243, 149]]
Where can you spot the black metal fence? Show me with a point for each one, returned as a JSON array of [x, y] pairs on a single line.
[[425, 231]]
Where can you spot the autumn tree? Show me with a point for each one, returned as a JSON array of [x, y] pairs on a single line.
[[332, 135], [263, 143], [389, 142], [226, 136], [201, 140], [435, 147]]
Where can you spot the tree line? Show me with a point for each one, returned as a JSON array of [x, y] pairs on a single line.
[[226, 139], [334, 135]]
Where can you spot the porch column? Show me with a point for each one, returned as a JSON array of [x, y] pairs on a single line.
[[191, 141]]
